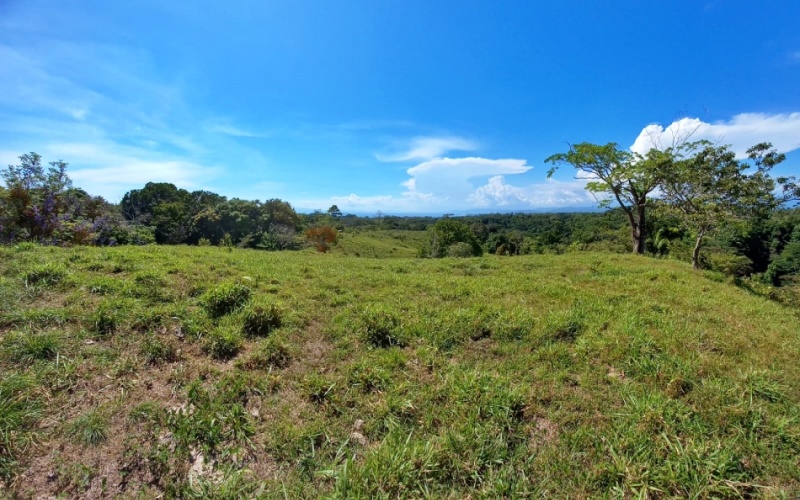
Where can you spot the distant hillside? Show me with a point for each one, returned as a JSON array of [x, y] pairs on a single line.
[[203, 372], [380, 243]]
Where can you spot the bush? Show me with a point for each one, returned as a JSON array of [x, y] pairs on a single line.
[[322, 237], [460, 249], [261, 320], [448, 232], [731, 265], [224, 299]]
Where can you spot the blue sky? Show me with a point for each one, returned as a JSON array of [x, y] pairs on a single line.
[[399, 106]]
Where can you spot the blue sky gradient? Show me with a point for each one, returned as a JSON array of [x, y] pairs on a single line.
[[398, 106]]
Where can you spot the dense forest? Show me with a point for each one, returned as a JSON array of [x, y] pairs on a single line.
[[39, 204]]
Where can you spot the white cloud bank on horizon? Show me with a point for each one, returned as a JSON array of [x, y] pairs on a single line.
[[741, 132], [448, 184]]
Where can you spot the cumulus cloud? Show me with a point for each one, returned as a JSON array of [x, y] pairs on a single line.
[[449, 184], [425, 148], [741, 132], [550, 194], [453, 177]]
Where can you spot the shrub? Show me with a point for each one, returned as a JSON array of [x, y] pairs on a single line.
[[223, 343], [322, 237], [448, 232], [731, 265], [225, 298], [460, 249], [381, 328], [261, 320]]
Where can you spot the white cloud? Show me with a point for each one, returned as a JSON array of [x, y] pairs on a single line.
[[426, 148], [227, 128], [549, 194], [111, 169], [451, 178], [447, 184], [741, 132]]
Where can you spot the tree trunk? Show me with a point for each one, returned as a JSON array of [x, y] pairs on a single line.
[[696, 252], [638, 230]]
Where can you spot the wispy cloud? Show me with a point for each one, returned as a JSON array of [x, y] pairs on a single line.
[[741, 132], [426, 148], [113, 169], [226, 128]]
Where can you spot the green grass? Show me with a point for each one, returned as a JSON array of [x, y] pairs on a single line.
[[381, 244], [199, 372]]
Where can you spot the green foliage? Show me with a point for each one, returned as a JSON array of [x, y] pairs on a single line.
[[225, 298], [460, 249], [448, 232], [626, 178], [707, 187]]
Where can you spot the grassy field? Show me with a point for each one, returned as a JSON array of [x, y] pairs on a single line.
[[380, 244], [202, 372]]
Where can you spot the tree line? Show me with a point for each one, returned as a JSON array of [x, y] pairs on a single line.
[[709, 208]]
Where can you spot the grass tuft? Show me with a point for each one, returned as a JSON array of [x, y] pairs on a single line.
[[90, 428], [261, 320], [223, 343], [381, 328], [47, 275], [225, 299], [28, 347]]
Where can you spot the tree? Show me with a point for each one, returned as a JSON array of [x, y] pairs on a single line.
[[322, 237], [34, 199], [448, 232], [626, 177], [334, 212], [708, 187]]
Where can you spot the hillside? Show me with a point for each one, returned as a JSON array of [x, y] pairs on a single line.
[[197, 371], [377, 243]]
